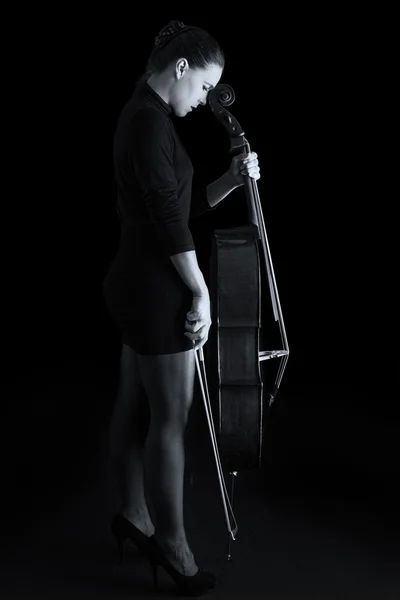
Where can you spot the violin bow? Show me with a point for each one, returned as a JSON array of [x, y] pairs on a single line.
[[227, 504]]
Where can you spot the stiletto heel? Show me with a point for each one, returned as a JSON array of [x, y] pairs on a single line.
[[122, 529], [191, 585], [121, 544], [154, 568]]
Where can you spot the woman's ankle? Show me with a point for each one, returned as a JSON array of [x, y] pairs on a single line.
[[137, 515], [171, 540]]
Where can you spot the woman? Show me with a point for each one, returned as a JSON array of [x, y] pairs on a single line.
[[157, 295]]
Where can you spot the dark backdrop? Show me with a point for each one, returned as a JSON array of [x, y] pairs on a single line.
[[298, 102]]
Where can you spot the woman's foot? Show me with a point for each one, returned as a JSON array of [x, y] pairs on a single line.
[[141, 519], [179, 555]]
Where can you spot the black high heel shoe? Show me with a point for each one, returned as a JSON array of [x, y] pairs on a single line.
[[122, 529], [191, 585]]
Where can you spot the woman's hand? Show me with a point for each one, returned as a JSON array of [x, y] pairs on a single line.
[[198, 321], [243, 165]]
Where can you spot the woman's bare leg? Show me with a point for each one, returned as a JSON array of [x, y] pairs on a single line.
[[127, 436], [168, 380]]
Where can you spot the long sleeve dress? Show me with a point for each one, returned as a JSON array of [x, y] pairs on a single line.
[[144, 294]]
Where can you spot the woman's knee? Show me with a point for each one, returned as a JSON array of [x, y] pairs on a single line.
[[168, 380]]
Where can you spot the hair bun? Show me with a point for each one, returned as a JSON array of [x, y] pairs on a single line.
[[168, 32]]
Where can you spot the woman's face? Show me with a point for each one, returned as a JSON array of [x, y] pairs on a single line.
[[191, 86]]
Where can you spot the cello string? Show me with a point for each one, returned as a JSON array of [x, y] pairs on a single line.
[[273, 291], [252, 190], [273, 285], [266, 251]]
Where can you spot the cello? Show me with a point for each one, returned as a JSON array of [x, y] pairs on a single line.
[[238, 257]]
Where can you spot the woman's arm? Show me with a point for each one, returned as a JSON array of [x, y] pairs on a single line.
[[220, 188], [187, 266], [150, 152]]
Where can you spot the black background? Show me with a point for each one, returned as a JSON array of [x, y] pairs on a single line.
[[302, 99]]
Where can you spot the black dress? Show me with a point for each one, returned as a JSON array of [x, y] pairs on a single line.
[[144, 294]]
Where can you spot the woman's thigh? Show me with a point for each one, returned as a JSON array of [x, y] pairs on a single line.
[[132, 393], [168, 380]]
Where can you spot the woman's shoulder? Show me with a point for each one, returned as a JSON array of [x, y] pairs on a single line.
[[145, 128], [150, 115], [150, 122]]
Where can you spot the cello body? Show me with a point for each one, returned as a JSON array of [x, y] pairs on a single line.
[[233, 346]]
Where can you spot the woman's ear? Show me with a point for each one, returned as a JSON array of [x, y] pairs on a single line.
[[182, 66]]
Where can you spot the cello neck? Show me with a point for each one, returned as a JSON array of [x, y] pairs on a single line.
[[254, 214]]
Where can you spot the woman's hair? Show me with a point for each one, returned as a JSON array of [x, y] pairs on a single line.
[[177, 40]]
